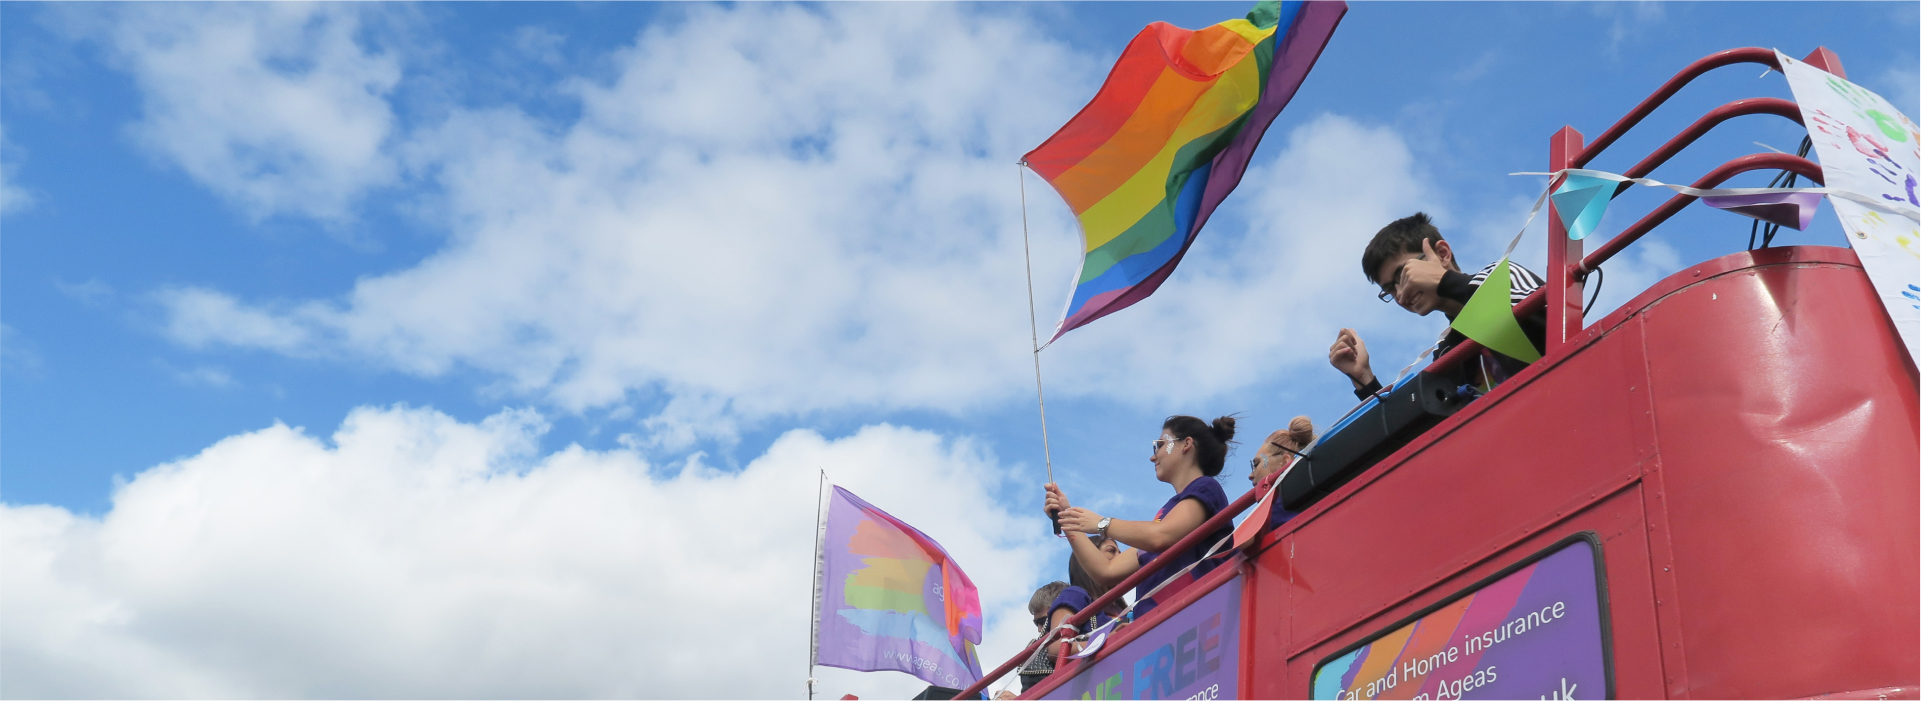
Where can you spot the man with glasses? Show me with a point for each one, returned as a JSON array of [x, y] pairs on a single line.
[[1415, 268]]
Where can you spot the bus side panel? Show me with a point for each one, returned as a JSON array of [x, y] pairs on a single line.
[[1522, 458], [1786, 419], [1630, 630], [1265, 626]]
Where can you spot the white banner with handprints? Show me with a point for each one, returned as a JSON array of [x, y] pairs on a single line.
[[1868, 147]]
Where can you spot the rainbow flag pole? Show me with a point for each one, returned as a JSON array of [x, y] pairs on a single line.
[[1033, 331], [1167, 138]]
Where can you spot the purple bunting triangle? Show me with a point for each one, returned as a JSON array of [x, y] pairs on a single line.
[[1794, 210]]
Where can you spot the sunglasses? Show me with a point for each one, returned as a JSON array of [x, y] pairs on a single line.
[[1160, 443], [1288, 456]]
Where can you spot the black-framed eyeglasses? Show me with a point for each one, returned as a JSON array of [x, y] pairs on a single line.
[[1400, 275], [1040, 621]]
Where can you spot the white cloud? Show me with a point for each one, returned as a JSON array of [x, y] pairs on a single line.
[[540, 44], [13, 198], [749, 224], [418, 556], [1901, 85], [16, 354], [203, 376], [274, 106], [818, 217], [93, 292], [1628, 19], [199, 317]]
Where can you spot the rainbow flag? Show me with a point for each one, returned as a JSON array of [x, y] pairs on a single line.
[[891, 599], [1167, 138]]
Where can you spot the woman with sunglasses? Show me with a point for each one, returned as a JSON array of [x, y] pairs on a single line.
[[1282, 448], [1187, 456]]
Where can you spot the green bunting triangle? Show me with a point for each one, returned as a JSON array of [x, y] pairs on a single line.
[[1488, 318]]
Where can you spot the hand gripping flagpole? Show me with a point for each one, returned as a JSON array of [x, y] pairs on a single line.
[[1034, 336]]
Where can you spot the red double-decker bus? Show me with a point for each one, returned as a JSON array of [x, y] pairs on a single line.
[[1710, 492]]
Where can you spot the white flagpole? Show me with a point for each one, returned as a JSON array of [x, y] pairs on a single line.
[[1034, 337], [820, 532]]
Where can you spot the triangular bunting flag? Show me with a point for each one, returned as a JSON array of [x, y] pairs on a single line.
[[1580, 203], [1257, 520], [1488, 317], [1794, 210]]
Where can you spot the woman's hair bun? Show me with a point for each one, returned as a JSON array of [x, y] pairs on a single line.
[[1300, 431], [1224, 428]]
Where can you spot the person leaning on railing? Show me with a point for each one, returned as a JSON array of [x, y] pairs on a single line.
[[1416, 269], [1041, 663], [1276, 453], [1187, 456]]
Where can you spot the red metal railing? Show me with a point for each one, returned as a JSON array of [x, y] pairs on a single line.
[[1568, 268], [1120, 638], [1221, 520]]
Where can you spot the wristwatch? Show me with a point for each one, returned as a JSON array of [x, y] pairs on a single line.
[[1102, 526]]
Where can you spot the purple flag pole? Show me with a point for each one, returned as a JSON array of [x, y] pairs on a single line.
[[820, 534]]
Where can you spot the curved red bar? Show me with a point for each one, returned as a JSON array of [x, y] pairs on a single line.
[[1668, 89], [1707, 122], [1760, 161], [1538, 299]]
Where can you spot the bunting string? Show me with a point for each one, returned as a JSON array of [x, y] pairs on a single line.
[[1895, 207]]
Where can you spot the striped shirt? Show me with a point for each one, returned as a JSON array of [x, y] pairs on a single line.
[[1523, 280]]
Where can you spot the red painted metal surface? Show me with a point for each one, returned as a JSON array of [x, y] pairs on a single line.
[[1825, 60], [1563, 288], [1745, 446]]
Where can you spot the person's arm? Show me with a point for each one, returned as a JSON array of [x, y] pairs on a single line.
[[1061, 614], [1456, 285], [1349, 355], [1107, 569], [1152, 536], [1054, 622]]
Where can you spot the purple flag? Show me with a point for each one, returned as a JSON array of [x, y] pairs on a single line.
[[1794, 210], [891, 599]]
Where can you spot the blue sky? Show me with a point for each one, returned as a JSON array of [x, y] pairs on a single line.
[[700, 242]]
